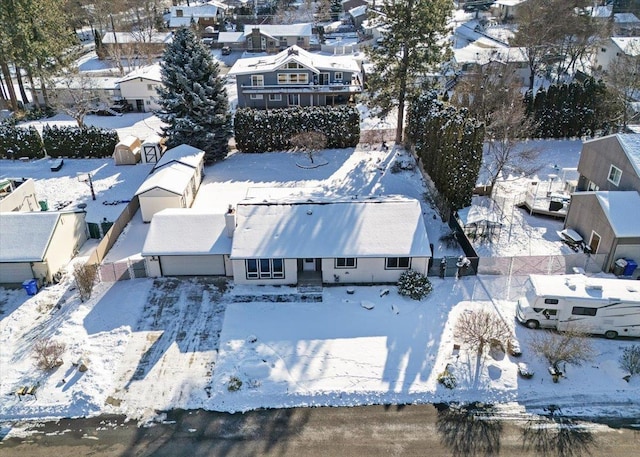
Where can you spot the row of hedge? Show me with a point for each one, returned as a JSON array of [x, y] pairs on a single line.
[[270, 130], [56, 141]]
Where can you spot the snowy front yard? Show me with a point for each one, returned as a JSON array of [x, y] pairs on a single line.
[[156, 345]]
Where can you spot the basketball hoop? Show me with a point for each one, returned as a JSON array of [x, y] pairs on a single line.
[[86, 178]]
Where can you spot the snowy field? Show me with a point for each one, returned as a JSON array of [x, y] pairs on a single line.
[[156, 345]]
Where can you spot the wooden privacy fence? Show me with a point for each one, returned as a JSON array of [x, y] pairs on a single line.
[[122, 270]]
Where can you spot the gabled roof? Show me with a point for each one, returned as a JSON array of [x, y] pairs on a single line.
[[173, 178], [630, 143], [482, 56], [184, 154], [128, 141], [358, 11], [150, 72], [181, 231], [617, 206], [230, 37], [281, 30], [328, 229], [314, 62], [25, 236], [629, 45]]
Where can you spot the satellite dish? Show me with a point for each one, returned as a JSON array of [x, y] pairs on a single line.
[[82, 205]]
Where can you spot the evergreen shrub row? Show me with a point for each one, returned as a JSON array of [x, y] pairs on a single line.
[[78, 143], [20, 142], [262, 130]]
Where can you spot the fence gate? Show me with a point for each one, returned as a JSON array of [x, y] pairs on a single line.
[[94, 230], [119, 271]]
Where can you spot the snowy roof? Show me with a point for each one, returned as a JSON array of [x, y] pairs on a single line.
[[150, 72], [230, 37], [84, 82], [314, 62], [630, 143], [629, 45], [281, 30], [128, 141], [209, 9], [132, 37], [173, 178], [184, 154], [616, 205], [588, 287], [625, 18], [185, 231], [482, 56], [358, 11], [332, 228], [26, 235], [600, 11]]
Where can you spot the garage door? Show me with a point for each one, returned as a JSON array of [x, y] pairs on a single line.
[[15, 273], [192, 265]]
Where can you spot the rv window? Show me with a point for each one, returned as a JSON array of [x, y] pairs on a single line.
[[548, 312], [551, 301], [582, 311]]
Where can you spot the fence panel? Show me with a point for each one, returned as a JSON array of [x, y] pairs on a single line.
[[112, 272]]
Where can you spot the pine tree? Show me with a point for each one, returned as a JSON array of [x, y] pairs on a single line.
[[193, 100]]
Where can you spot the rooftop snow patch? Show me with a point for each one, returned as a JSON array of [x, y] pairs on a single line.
[[173, 178], [181, 231], [25, 236], [334, 228], [616, 206], [630, 142], [150, 72], [184, 154]]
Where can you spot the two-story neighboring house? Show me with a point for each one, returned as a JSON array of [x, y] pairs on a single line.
[[615, 47], [605, 209], [296, 77], [139, 87], [268, 38], [203, 15]]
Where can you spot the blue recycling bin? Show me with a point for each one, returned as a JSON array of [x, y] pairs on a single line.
[[630, 268], [31, 286]]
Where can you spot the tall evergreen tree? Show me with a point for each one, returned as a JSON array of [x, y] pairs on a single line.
[[193, 100], [412, 46]]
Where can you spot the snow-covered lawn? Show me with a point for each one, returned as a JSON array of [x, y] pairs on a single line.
[[152, 346]]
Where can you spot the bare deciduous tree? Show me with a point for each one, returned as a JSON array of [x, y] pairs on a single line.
[[630, 359], [85, 276], [623, 80], [77, 95], [47, 353], [571, 346], [479, 329], [308, 142]]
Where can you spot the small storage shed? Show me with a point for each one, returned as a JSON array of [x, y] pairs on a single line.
[[173, 186], [152, 149], [127, 151], [38, 244], [186, 155], [183, 242]]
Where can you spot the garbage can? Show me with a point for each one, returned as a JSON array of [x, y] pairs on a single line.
[[619, 266], [31, 286], [631, 267]]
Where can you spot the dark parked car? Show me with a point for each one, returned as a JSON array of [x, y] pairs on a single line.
[[121, 107], [226, 50]]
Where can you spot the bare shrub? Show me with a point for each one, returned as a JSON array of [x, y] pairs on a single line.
[[630, 359], [85, 276], [47, 353], [571, 346], [308, 142], [478, 329]]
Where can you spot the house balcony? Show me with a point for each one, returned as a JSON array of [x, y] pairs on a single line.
[[324, 89]]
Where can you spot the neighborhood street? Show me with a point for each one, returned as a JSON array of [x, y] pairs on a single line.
[[360, 431]]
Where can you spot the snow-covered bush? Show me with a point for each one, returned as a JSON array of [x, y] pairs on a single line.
[[78, 143], [259, 130], [630, 359], [47, 353], [234, 384], [414, 285], [20, 142], [447, 378]]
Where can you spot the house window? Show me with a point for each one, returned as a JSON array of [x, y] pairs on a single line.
[[345, 262], [593, 186], [583, 311], [337, 76], [398, 263], [257, 80], [594, 242], [255, 96], [151, 87], [275, 97], [293, 78], [603, 49], [179, 13], [614, 175], [294, 66], [265, 268]]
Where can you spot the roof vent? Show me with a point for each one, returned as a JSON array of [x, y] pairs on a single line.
[[593, 286], [309, 212]]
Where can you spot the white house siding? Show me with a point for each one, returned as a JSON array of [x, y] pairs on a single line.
[[141, 89], [192, 265], [290, 273], [15, 272], [368, 270], [22, 198], [156, 200], [68, 237]]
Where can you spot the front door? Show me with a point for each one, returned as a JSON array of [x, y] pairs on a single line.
[[140, 106], [309, 265]]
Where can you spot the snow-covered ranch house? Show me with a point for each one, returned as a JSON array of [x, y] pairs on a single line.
[[186, 242], [173, 182], [296, 77], [38, 244], [337, 241]]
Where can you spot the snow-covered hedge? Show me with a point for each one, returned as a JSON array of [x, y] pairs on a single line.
[[20, 142], [262, 130], [76, 143], [449, 143], [414, 285]]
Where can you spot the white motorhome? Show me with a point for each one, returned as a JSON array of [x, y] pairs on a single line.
[[610, 307]]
